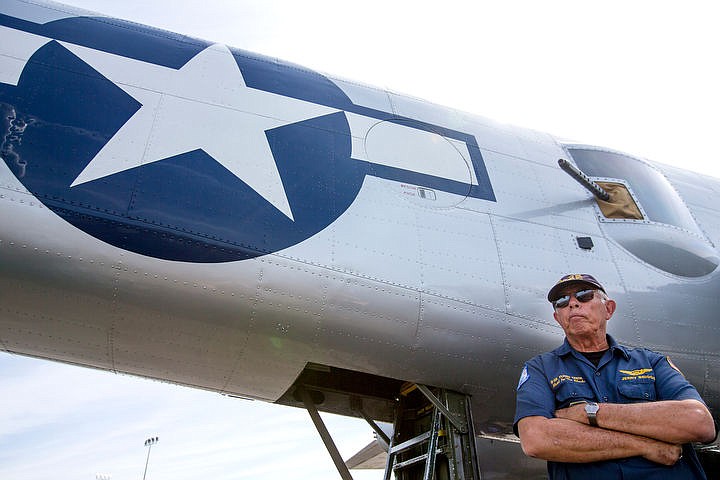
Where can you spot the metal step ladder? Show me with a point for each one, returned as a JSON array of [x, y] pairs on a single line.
[[433, 436]]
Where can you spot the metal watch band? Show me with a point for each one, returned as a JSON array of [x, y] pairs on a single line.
[[591, 410]]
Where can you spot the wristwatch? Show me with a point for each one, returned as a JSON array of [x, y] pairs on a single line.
[[591, 409]]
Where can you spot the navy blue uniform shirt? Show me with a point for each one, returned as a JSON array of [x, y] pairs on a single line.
[[556, 379]]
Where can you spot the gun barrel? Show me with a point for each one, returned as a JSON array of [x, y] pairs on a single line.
[[583, 180]]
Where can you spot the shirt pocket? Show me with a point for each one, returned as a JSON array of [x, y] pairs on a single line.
[[637, 390], [569, 392]]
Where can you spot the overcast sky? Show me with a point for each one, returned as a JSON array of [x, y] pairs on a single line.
[[638, 76]]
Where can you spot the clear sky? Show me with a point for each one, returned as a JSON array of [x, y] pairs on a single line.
[[637, 76]]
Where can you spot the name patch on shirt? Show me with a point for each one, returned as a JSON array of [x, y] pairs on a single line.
[[565, 378]]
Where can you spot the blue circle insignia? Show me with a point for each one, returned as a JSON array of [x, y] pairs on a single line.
[[187, 207]]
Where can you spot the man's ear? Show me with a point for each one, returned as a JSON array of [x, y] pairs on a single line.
[[610, 306]]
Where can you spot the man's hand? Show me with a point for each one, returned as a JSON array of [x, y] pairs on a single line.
[[576, 413], [663, 453]]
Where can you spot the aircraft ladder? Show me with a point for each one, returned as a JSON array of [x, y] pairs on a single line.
[[433, 436]]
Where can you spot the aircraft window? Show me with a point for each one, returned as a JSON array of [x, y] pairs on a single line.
[[658, 198]]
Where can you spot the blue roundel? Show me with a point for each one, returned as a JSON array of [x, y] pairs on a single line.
[[185, 208]]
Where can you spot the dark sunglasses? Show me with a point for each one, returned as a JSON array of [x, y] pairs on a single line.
[[582, 296]]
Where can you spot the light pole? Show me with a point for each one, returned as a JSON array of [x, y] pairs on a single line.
[[149, 443]]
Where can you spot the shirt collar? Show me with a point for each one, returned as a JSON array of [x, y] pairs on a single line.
[[566, 349]]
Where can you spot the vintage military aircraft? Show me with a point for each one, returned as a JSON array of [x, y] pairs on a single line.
[[181, 210]]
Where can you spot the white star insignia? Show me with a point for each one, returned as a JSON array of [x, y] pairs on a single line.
[[204, 105]]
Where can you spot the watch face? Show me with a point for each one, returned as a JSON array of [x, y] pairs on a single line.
[[592, 408]]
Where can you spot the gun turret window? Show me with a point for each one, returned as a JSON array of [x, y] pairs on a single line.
[[658, 198], [644, 213]]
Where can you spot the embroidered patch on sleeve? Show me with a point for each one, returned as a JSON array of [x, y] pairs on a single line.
[[523, 377], [674, 367]]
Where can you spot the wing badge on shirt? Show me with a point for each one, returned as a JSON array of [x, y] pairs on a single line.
[[639, 371]]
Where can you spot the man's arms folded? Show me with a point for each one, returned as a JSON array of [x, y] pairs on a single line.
[[653, 430], [671, 421], [563, 440]]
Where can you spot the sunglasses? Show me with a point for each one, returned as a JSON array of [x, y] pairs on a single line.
[[582, 296]]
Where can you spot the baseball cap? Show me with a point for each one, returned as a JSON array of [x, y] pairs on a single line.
[[553, 294]]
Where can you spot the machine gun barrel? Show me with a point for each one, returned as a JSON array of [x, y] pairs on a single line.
[[584, 180]]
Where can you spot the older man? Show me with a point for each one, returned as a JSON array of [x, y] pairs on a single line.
[[595, 409]]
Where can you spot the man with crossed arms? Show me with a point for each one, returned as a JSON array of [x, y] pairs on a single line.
[[595, 409]]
